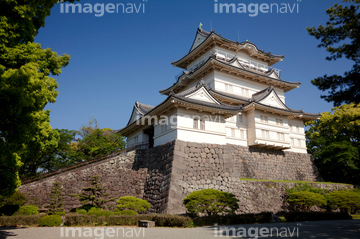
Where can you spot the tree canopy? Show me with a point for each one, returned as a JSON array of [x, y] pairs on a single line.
[[341, 38], [95, 142], [26, 86], [333, 140]]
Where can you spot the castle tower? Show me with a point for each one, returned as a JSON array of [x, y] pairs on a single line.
[[227, 93]]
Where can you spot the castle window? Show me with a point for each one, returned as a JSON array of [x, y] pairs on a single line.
[[228, 88], [196, 124], [199, 125], [242, 134], [264, 119], [202, 124], [297, 129], [279, 122], [232, 132], [281, 137], [265, 134], [244, 92]]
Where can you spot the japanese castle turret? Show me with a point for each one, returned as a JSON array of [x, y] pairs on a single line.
[[228, 93]]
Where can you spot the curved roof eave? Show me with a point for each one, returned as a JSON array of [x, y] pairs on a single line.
[[212, 33], [166, 91]]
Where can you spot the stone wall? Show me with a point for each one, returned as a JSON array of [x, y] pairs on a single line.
[[164, 175], [116, 174], [201, 166]]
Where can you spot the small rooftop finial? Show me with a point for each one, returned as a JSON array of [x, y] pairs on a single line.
[[200, 25]]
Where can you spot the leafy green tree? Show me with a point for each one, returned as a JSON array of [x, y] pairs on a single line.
[[344, 200], [333, 140], [26, 86], [94, 194], [303, 201], [50, 158], [132, 203], [211, 202], [341, 37], [95, 142], [56, 205]]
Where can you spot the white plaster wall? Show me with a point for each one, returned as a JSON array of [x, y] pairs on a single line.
[[214, 127], [298, 136], [208, 79], [166, 137], [130, 141], [239, 83]]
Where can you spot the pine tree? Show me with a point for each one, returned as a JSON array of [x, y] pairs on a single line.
[[94, 194], [56, 204]]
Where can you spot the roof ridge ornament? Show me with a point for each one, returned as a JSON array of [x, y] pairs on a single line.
[[200, 25]]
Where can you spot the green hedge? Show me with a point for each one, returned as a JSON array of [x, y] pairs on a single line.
[[315, 216], [304, 200], [75, 219], [13, 221], [161, 220], [232, 219], [344, 200], [168, 220], [50, 221]]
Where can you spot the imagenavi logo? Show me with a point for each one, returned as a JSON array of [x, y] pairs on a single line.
[[253, 9], [99, 9]]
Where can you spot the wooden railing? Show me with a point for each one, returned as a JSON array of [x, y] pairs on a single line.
[[98, 159]]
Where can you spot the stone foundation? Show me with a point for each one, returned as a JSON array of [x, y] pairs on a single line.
[[164, 175]]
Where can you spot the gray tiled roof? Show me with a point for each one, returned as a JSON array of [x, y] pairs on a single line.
[[143, 108], [200, 84]]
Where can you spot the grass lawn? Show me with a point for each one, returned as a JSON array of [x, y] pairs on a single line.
[[287, 181]]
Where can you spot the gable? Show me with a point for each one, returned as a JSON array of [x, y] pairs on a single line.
[[198, 40], [202, 95], [135, 115], [273, 100]]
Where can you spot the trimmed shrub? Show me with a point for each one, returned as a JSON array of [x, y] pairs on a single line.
[[81, 211], [50, 221], [304, 200], [162, 220], [344, 200], [297, 216], [61, 213], [74, 219], [125, 212], [13, 221], [211, 202], [123, 220], [232, 219], [98, 212], [167, 220], [28, 210], [301, 187], [132, 203]]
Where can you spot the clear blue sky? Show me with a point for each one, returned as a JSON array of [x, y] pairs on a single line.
[[118, 58]]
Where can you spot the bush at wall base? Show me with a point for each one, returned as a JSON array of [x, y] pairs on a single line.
[[50, 221]]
